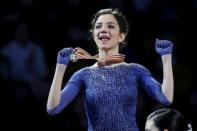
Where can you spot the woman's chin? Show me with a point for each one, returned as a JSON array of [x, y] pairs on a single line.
[[104, 48]]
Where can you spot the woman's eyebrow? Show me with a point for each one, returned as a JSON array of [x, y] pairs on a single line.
[[111, 23], [99, 23]]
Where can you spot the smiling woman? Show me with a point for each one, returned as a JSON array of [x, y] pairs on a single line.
[[107, 33], [109, 26], [110, 86]]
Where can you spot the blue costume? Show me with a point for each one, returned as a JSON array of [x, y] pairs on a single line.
[[110, 95]]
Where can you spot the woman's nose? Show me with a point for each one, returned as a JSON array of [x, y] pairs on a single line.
[[104, 29]]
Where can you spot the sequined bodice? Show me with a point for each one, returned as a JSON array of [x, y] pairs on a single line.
[[110, 95]]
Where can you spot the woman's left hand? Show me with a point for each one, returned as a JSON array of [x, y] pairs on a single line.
[[163, 47]]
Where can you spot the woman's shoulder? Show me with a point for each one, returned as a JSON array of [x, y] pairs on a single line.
[[82, 70], [134, 65], [137, 67]]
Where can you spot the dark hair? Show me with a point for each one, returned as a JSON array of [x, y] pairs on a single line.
[[121, 20], [168, 119]]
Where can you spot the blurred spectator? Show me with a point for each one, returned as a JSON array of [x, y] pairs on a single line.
[[24, 69], [24, 59]]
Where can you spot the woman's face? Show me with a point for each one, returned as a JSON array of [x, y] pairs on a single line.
[[106, 32]]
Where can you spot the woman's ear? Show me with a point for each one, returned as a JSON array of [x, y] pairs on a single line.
[[122, 37]]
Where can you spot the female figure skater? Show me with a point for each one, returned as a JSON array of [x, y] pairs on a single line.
[[110, 86]]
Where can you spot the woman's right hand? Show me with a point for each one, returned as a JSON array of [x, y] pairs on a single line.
[[63, 56]]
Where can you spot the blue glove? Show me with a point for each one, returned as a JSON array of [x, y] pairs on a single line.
[[163, 47], [63, 56]]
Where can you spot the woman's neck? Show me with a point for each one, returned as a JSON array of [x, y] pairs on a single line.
[[104, 53]]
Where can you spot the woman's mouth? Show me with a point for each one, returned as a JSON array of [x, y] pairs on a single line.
[[104, 38]]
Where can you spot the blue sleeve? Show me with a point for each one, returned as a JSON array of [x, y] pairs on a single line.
[[69, 92], [151, 86]]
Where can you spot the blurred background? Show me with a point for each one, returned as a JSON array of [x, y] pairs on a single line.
[[33, 31]]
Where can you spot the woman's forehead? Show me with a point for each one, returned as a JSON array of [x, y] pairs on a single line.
[[106, 18]]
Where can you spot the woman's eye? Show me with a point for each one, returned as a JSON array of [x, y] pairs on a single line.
[[111, 26], [98, 26]]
